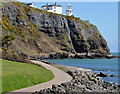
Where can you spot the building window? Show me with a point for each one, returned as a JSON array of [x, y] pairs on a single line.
[[49, 8], [54, 10], [68, 7], [54, 7]]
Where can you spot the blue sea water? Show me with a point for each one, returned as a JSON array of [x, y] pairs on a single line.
[[109, 66]]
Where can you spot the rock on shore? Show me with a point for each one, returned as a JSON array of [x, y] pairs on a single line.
[[83, 81], [72, 56]]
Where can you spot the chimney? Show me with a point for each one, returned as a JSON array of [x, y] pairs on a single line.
[[55, 3], [47, 4], [51, 3]]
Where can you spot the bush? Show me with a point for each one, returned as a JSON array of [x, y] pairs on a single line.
[[7, 41], [79, 28], [14, 56]]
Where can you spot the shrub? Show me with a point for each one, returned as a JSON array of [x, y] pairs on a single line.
[[5, 27], [7, 41], [22, 35], [12, 51], [79, 28], [21, 57], [15, 55], [25, 40]]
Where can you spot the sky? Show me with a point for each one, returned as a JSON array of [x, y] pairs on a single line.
[[102, 14]]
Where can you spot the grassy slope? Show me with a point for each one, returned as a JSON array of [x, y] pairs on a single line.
[[17, 75]]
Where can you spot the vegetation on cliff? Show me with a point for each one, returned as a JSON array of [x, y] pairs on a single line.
[[7, 41], [40, 32]]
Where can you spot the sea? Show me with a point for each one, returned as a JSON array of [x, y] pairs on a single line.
[[109, 66]]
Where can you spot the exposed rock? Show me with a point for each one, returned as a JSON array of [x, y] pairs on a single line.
[[101, 74], [50, 63], [71, 56], [40, 32], [82, 83], [114, 76], [58, 55]]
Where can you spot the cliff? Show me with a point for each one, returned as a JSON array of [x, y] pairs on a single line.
[[40, 32]]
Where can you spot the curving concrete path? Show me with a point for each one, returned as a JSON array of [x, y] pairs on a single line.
[[60, 77]]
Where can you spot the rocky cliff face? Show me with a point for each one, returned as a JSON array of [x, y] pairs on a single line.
[[38, 31]]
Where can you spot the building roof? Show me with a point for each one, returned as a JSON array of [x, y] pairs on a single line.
[[52, 5], [44, 6], [29, 4]]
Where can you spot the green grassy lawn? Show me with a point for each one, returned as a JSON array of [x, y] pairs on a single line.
[[16, 75]]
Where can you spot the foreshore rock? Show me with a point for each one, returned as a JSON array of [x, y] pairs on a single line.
[[102, 74], [73, 56], [84, 81]]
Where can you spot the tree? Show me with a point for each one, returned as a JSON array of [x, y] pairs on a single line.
[[7, 41]]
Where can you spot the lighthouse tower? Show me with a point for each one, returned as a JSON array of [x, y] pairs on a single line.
[[69, 10]]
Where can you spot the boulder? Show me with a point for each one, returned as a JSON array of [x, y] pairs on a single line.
[[101, 74], [114, 75], [71, 72]]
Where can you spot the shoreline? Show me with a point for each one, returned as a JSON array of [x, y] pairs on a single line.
[[84, 80], [73, 56], [66, 68]]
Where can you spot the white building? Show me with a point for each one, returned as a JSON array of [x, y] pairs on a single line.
[[31, 4], [69, 10], [55, 8]]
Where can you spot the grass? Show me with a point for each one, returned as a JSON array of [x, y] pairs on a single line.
[[16, 75]]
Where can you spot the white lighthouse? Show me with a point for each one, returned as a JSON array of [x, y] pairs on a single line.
[[69, 10]]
